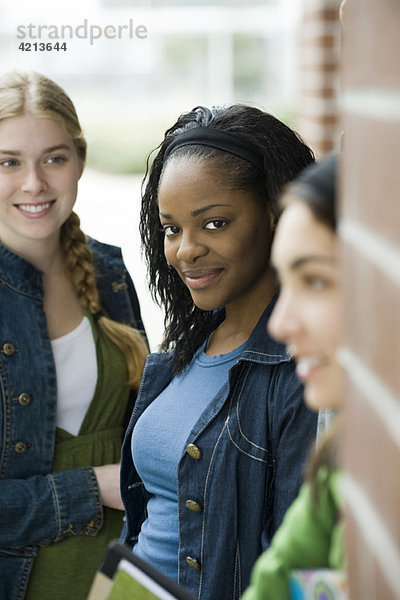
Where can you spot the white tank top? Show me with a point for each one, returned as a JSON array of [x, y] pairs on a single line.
[[76, 368]]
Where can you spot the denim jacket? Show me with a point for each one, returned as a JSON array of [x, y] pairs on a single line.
[[241, 465], [38, 507]]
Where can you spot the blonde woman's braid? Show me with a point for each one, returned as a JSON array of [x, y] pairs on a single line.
[[79, 263]]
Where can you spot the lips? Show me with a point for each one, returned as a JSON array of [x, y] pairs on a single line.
[[35, 211], [306, 365], [201, 278]]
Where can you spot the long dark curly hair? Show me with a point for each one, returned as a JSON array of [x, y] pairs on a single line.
[[284, 155]]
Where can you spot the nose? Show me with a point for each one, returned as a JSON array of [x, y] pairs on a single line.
[[190, 248], [284, 323], [33, 182]]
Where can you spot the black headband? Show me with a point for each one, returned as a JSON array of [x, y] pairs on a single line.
[[215, 138]]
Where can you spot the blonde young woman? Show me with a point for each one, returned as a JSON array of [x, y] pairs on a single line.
[[71, 354]]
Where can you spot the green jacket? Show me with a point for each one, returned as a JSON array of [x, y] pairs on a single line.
[[310, 537]]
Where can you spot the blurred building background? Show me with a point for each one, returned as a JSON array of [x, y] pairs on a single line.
[[318, 103], [128, 90]]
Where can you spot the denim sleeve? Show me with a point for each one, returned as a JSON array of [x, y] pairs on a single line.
[[133, 297], [116, 288], [293, 430], [46, 508]]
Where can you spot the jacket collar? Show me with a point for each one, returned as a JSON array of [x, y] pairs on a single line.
[[20, 274], [260, 347]]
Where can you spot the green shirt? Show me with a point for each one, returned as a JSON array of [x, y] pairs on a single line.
[[65, 569], [310, 537]]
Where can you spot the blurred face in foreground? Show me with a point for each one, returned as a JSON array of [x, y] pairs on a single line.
[[307, 316]]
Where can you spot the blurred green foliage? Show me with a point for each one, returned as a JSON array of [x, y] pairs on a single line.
[[121, 146]]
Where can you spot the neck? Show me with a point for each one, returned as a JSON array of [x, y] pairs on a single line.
[[45, 255], [240, 319], [245, 315]]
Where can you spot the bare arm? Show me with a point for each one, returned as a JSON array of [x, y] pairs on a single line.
[[108, 483]]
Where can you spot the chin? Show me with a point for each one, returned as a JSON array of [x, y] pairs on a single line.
[[317, 397], [205, 305]]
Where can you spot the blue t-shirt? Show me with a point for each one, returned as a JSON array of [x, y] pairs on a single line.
[[158, 440]]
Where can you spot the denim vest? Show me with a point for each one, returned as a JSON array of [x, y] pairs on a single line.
[[38, 507], [240, 469]]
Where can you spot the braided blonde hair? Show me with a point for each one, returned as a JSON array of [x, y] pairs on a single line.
[[79, 264], [23, 93]]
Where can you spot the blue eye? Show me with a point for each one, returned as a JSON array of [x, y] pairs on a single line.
[[55, 160], [10, 162]]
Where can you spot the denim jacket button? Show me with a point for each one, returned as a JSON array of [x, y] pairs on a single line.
[[192, 562], [117, 286], [69, 531], [21, 447], [193, 451], [194, 506], [90, 528], [9, 349], [24, 399]]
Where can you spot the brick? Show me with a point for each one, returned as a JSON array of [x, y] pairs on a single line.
[[324, 92], [323, 119], [320, 41], [321, 138], [371, 174], [319, 78], [305, 126], [325, 14], [367, 581], [371, 293], [371, 43], [322, 62], [316, 6], [368, 446], [370, 226], [319, 51], [317, 107]]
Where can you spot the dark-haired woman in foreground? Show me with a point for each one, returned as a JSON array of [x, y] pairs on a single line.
[[307, 317], [215, 448]]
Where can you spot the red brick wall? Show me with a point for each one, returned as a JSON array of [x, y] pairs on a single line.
[[319, 56], [370, 230]]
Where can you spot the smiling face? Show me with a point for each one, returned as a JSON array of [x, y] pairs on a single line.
[[39, 173], [307, 316], [217, 239]]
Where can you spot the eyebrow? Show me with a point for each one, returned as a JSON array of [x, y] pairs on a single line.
[[58, 147], [10, 152], [46, 151], [198, 211], [304, 260]]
